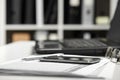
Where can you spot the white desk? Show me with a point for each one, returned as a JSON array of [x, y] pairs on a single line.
[[23, 49], [16, 50]]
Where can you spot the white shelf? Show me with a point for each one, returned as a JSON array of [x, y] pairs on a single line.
[[31, 27], [86, 27], [55, 27]]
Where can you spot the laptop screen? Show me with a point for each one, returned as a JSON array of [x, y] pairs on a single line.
[[114, 32]]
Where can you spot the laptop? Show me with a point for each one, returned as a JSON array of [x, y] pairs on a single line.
[[93, 47]]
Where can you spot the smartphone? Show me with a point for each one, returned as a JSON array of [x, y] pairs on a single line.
[[69, 59]]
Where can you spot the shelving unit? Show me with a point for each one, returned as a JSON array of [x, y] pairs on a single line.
[[2, 22], [39, 26], [31, 27], [55, 27]]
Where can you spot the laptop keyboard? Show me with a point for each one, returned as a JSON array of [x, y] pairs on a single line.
[[81, 43]]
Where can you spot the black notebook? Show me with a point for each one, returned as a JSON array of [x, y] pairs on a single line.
[[50, 11], [21, 12], [72, 11]]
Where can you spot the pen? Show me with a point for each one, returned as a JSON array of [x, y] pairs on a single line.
[[38, 58]]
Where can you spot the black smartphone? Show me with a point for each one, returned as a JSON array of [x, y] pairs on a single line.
[[70, 59]]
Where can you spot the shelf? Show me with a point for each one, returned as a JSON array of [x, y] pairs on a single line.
[[55, 27], [86, 27], [31, 27]]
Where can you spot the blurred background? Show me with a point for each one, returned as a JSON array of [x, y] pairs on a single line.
[[26, 20]]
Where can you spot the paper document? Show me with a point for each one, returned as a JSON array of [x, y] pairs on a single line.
[[91, 68], [41, 78], [39, 66], [32, 65], [108, 71]]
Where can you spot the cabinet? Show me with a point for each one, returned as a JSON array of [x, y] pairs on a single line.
[[40, 28]]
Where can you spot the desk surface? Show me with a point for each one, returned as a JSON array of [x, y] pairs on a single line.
[[16, 50], [23, 49]]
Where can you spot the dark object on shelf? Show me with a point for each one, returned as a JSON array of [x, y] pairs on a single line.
[[50, 11], [29, 12], [72, 14], [21, 12], [102, 11], [14, 11]]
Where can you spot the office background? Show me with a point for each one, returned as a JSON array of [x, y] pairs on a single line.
[[54, 19]]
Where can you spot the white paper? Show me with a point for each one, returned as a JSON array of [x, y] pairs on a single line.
[[91, 68], [38, 66], [108, 71], [41, 78]]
